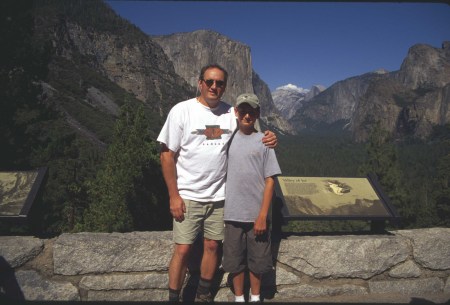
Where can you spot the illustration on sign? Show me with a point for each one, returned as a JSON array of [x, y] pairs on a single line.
[[14, 190]]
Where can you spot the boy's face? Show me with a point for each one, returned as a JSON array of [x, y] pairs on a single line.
[[246, 115]]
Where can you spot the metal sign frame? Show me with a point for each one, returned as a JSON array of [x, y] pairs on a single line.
[[27, 198], [343, 191]]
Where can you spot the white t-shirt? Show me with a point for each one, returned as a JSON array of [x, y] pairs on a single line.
[[199, 135]]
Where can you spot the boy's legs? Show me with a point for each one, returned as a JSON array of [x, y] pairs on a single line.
[[255, 286], [238, 285], [235, 246], [259, 258]]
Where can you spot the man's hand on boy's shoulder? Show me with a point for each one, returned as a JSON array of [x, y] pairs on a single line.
[[270, 139]]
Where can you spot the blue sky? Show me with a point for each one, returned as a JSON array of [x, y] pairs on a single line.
[[303, 43]]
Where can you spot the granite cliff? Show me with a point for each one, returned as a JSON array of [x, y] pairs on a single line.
[[290, 98], [192, 50], [98, 60], [111, 60], [407, 102]]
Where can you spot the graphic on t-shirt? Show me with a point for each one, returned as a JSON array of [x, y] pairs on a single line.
[[212, 132]]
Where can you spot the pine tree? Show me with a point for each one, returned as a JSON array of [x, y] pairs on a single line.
[[441, 192], [121, 196], [382, 160], [22, 65]]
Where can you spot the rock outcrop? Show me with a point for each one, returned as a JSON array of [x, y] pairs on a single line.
[[270, 115], [408, 102], [95, 65], [190, 51], [289, 99]]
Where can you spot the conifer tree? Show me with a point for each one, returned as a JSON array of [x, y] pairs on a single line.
[[382, 160], [118, 197], [441, 183]]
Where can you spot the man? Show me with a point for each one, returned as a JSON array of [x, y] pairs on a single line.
[[193, 156]]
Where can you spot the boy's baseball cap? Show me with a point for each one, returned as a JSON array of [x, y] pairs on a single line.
[[248, 98]]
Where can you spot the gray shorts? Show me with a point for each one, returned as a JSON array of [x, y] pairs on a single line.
[[199, 216], [241, 249]]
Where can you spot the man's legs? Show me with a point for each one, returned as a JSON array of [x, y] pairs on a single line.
[[208, 267], [213, 235], [211, 249], [177, 270], [184, 236]]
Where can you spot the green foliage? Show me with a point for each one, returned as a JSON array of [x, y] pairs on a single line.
[[97, 122], [124, 190], [124, 195], [319, 154], [315, 154], [441, 181], [71, 161], [413, 174], [383, 162], [22, 63]]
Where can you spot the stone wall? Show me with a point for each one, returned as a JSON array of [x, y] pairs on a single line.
[[133, 267]]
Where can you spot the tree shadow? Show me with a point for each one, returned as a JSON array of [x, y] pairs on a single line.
[[9, 287]]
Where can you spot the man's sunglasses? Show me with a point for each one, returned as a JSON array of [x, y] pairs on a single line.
[[210, 82]]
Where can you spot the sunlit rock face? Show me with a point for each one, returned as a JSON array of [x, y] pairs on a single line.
[[190, 51], [407, 102]]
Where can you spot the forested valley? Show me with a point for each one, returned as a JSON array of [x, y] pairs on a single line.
[[413, 173]]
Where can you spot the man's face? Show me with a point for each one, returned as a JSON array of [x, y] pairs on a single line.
[[212, 86]]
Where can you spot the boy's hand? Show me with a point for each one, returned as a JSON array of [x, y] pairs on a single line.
[[270, 139], [260, 226]]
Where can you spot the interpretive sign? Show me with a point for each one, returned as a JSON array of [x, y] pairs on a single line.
[[18, 191], [333, 198]]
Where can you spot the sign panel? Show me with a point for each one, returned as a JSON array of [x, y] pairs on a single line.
[[332, 197], [18, 191]]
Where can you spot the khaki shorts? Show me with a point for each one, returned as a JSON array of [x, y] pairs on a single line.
[[199, 216]]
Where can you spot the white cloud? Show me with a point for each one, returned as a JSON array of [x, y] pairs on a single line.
[[293, 88]]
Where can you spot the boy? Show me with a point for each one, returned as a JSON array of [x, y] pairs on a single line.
[[248, 195]]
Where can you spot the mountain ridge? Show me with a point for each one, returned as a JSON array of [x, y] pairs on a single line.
[[118, 60], [409, 102]]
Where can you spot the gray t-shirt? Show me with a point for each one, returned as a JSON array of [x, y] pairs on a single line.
[[249, 163]]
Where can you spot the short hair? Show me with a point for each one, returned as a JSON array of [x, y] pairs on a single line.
[[213, 66]]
